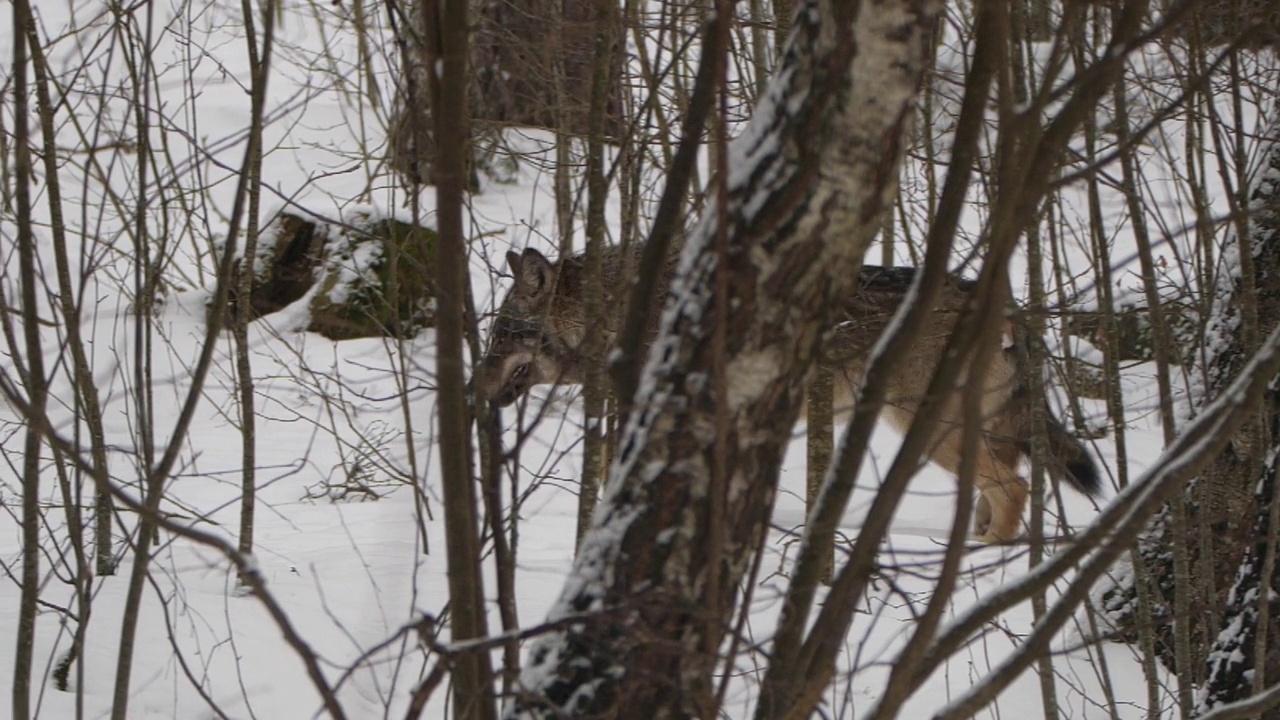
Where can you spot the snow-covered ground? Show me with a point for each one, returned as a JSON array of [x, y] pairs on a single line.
[[353, 573]]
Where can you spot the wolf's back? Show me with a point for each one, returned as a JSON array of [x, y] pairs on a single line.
[[881, 289]]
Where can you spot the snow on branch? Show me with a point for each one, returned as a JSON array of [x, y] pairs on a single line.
[[808, 180]]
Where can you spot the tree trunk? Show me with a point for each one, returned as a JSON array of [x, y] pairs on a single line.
[[447, 49], [1245, 655], [24, 642], [517, 47], [533, 64], [818, 166], [1233, 497], [240, 323], [595, 383]]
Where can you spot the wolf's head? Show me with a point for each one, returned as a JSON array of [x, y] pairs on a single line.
[[528, 344]]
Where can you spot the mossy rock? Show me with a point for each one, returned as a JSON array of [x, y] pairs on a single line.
[[355, 298], [353, 264]]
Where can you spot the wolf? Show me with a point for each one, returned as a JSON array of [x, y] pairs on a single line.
[[538, 333]]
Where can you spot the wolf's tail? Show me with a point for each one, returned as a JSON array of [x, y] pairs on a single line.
[[1068, 460]]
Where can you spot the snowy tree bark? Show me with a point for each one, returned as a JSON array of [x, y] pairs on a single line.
[[1234, 626], [1248, 631], [654, 583]]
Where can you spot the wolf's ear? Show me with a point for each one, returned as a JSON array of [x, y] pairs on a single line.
[[513, 263], [532, 271]]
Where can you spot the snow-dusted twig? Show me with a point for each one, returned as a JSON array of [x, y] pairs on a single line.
[[1111, 534]]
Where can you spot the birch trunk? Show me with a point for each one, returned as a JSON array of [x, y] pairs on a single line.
[[809, 179]]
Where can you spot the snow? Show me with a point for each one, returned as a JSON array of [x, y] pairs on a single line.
[[352, 569]]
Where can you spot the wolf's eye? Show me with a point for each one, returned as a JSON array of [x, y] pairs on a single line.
[[520, 371]]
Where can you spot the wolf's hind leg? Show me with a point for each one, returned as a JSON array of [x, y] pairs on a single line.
[[1002, 495]]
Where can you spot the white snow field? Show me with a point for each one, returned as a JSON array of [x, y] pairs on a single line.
[[353, 571]]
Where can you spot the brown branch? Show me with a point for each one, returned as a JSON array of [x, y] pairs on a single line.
[[647, 292], [787, 670]]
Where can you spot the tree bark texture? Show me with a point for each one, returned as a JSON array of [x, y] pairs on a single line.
[[1233, 497], [24, 642], [447, 50], [518, 46], [808, 181], [1249, 627], [594, 388]]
